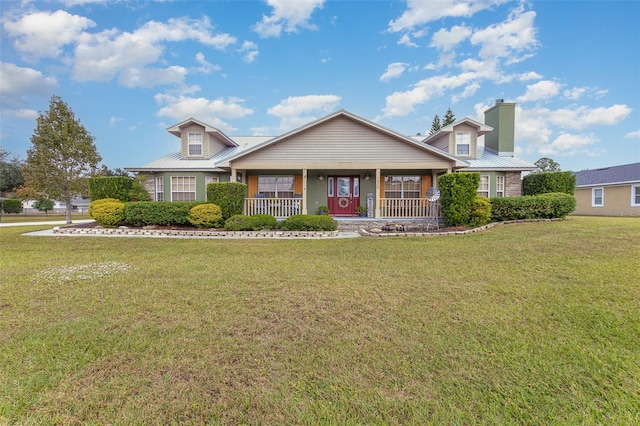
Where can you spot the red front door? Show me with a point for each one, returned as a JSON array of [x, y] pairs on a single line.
[[343, 195]]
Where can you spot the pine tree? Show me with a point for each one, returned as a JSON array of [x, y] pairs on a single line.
[[448, 118], [435, 126], [62, 156]]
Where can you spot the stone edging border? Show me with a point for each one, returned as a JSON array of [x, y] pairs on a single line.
[[138, 232], [366, 233]]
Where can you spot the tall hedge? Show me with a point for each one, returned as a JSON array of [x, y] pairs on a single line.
[[12, 206], [543, 206], [164, 213], [229, 196], [544, 183], [458, 194], [117, 187]]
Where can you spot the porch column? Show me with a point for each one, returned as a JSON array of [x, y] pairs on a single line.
[[377, 195], [233, 175], [304, 191]]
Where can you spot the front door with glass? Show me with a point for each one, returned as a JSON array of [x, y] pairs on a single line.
[[343, 195]]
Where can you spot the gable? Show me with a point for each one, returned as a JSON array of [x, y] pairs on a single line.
[[342, 142]]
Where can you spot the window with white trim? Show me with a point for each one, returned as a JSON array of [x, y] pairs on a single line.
[[159, 188], [211, 179], [402, 187], [499, 186], [276, 186], [597, 197], [183, 188], [635, 195], [463, 143], [195, 143], [483, 188]]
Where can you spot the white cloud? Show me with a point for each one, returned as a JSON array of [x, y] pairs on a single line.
[[205, 66], [110, 54], [633, 135], [446, 40], [575, 93], [541, 90], [19, 81], [568, 144], [531, 75], [420, 12], [29, 114], [298, 110], [287, 15], [210, 111], [114, 120], [394, 70], [508, 39], [250, 49], [405, 40], [43, 34], [584, 116]]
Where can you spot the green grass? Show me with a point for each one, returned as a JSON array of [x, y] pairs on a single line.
[[535, 323]]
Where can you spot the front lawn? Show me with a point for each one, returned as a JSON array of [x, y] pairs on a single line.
[[535, 323]]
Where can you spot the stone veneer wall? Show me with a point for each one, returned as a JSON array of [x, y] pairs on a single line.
[[513, 184]]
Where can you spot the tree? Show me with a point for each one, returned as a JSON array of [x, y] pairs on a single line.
[[435, 125], [448, 118], [547, 165], [62, 156], [43, 205], [10, 173]]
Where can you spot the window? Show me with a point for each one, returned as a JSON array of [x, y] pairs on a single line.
[[276, 186], [183, 188], [195, 143], [597, 197], [159, 188], [463, 143], [330, 186], [211, 179], [499, 186], [635, 195], [483, 189], [402, 187]]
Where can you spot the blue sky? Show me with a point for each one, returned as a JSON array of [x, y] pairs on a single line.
[[130, 69]]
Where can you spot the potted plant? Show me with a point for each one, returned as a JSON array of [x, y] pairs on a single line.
[[323, 210], [362, 210]]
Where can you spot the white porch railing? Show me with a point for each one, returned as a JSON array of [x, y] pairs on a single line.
[[409, 208], [277, 207]]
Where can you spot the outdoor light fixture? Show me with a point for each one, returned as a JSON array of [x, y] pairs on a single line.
[[321, 177], [367, 177]]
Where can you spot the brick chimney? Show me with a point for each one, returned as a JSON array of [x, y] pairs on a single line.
[[502, 117]]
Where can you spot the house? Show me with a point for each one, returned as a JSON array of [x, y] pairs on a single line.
[[609, 191], [341, 161]]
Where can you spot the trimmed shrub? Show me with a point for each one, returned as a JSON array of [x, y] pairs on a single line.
[[98, 202], [303, 222], [481, 213], [162, 213], [138, 193], [240, 222], [12, 206], [544, 206], [544, 183], [205, 216], [229, 196], [458, 194], [110, 187], [108, 214]]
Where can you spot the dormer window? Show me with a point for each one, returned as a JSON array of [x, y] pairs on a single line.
[[195, 143], [463, 143]]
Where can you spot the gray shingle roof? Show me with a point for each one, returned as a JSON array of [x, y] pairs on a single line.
[[608, 175]]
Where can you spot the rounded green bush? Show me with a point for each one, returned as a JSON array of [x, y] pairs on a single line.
[[481, 211], [240, 222], [98, 202], [108, 214], [303, 222], [205, 216]]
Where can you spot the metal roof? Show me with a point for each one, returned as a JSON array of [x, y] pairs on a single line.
[[488, 160], [626, 173]]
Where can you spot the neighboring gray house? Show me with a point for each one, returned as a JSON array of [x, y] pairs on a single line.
[[608, 191], [341, 161]]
